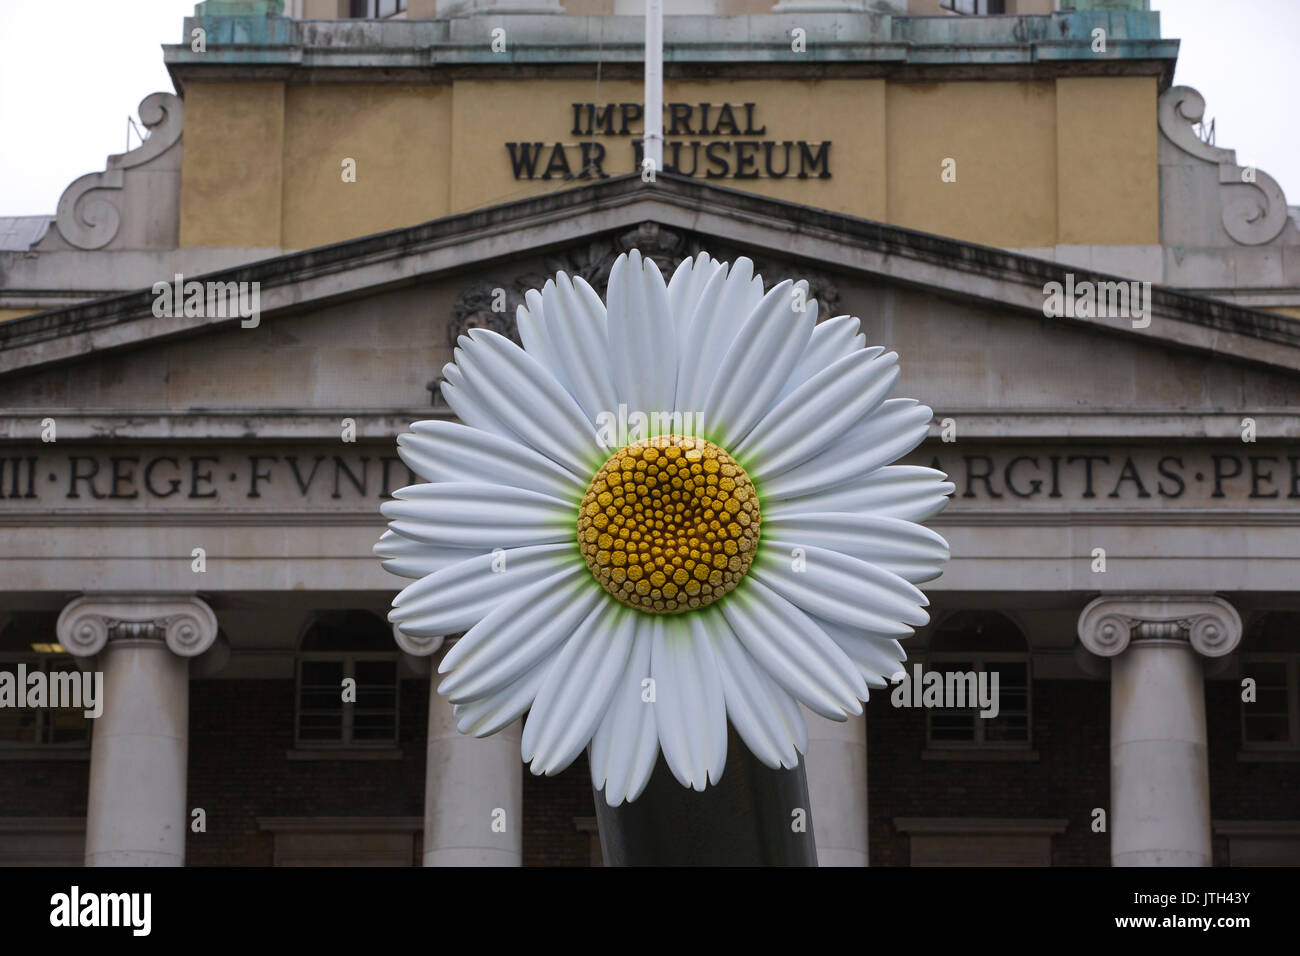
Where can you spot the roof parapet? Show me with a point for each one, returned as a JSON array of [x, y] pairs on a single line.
[[231, 42]]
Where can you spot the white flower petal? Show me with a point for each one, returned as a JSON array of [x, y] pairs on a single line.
[[517, 634], [765, 716], [840, 588], [642, 339], [831, 340], [888, 433], [910, 492], [456, 598], [797, 654], [576, 329], [686, 288], [877, 656], [761, 357], [516, 390], [492, 712], [817, 413], [414, 559], [460, 514], [728, 297], [625, 747], [576, 694], [531, 322], [690, 711], [913, 552], [461, 397], [449, 451]]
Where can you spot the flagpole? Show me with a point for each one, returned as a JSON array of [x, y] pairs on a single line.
[[654, 84]]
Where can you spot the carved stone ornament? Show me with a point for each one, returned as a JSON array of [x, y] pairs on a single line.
[[185, 623], [491, 302], [1253, 212], [1209, 624], [87, 217]]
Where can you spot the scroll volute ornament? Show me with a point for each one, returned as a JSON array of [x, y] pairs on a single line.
[[1211, 625]]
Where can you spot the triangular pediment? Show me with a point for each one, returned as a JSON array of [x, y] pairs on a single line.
[[368, 323]]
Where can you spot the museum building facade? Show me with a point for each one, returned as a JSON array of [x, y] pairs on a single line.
[[207, 352]]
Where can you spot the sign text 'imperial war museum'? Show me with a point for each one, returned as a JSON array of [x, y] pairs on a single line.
[[738, 154]]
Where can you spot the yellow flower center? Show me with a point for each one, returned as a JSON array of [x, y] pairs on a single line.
[[669, 524]]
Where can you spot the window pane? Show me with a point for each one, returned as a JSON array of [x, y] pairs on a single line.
[[1010, 673], [950, 727], [1012, 699], [1267, 729], [374, 726], [18, 726], [327, 699], [1268, 700], [323, 672], [312, 726], [1272, 673], [375, 672], [1007, 728], [377, 698]]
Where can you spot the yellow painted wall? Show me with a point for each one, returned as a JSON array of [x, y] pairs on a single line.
[[1038, 163], [1000, 137], [232, 165], [6, 314], [399, 139], [1107, 178]]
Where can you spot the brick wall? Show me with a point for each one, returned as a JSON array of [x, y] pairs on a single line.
[[240, 732], [550, 806], [1071, 736]]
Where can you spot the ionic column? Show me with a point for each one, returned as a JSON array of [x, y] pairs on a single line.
[[1159, 770], [136, 813], [473, 787], [836, 765]]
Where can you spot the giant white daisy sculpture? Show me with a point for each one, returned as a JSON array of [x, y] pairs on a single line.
[[665, 512]]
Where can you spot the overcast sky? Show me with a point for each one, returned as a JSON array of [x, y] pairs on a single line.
[[71, 73]]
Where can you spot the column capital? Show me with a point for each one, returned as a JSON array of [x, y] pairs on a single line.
[[418, 646], [1208, 623], [182, 621]]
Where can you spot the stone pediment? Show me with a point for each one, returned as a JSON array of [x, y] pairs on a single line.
[[964, 316]]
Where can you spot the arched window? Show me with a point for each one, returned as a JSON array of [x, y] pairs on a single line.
[[986, 645], [347, 683], [1271, 658], [29, 645]]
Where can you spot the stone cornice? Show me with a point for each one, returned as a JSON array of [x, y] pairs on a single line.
[[861, 44], [235, 425], [1111, 623], [493, 236], [185, 623]]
